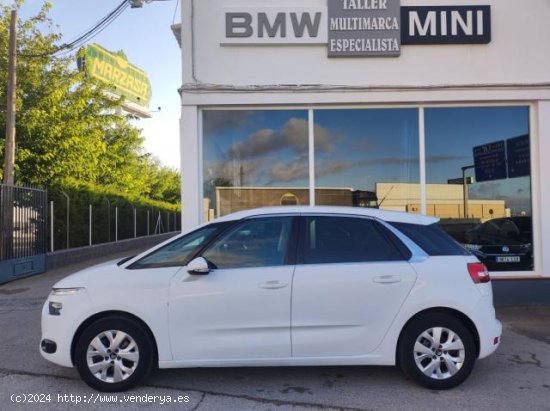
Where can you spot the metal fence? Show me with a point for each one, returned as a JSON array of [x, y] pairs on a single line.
[[23, 240], [74, 223]]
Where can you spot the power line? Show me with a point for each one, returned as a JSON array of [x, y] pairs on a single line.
[[88, 35]]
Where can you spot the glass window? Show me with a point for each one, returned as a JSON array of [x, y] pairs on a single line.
[[479, 181], [255, 243], [346, 240], [254, 159], [431, 238], [178, 251], [367, 158]]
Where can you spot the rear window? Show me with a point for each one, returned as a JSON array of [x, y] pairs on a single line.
[[431, 238]]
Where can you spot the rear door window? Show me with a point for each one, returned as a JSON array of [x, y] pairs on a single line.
[[330, 239]]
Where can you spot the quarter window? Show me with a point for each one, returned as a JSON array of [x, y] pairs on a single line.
[[346, 240]]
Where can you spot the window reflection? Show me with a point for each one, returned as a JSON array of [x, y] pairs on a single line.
[[254, 159], [367, 158], [479, 183]]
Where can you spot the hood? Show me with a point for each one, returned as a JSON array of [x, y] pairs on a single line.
[[91, 274]]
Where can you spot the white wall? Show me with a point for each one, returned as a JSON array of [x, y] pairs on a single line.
[[517, 54]]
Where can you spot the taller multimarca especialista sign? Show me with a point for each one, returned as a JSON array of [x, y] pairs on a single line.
[[352, 28]]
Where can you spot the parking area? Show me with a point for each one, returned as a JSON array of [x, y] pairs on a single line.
[[516, 377]]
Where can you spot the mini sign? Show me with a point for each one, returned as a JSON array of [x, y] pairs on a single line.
[[364, 28], [446, 25]]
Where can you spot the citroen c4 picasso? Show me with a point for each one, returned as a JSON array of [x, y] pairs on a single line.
[[290, 286]]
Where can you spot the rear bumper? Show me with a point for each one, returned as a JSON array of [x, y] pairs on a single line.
[[489, 328]]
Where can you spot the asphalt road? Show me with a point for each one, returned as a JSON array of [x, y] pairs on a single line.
[[516, 377]]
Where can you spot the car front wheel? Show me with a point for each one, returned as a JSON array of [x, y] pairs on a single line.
[[437, 351], [113, 354]]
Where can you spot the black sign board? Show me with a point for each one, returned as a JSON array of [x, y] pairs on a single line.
[[519, 156], [460, 180], [446, 25], [490, 161]]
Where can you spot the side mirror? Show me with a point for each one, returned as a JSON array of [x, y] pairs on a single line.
[[198, 266]]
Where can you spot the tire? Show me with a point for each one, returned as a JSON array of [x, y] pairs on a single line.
[[437, 351], [114, 354]]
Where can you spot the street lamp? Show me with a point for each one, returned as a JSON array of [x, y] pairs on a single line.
[[465, 189]]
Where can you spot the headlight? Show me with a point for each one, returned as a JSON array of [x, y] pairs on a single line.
[[66, 291]]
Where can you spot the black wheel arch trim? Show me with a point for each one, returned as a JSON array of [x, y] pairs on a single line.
[[460, 316]]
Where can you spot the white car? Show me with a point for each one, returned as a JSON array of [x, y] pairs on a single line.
[[289, 286]]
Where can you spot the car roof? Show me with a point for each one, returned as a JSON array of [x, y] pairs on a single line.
[[385, 215]]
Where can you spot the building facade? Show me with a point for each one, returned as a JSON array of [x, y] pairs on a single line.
[[435, 107]]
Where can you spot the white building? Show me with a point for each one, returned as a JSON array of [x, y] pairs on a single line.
[[344, 93]]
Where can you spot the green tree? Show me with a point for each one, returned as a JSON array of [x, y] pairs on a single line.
[[67, 131]]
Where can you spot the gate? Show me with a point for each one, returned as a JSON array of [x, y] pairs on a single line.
[[23, 242]]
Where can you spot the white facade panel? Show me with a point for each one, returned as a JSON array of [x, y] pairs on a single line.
[[516, 54]]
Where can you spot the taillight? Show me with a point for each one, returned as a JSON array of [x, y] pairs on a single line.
[[479, 273]]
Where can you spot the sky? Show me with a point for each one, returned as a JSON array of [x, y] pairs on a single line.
[[145, 36]]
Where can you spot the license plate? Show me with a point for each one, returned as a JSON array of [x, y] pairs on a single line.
[[508, 259]]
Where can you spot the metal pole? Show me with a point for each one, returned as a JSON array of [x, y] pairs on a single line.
[[465, 189], [51, 226], [9, 151], [108, 219], [135, 222], [466, 209], [90, 227], [147, 222], [116, 223], [68, 213]]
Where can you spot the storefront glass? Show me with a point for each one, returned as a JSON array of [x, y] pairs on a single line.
[[367, 158], [492, 214], [254, 158], [370, 158]]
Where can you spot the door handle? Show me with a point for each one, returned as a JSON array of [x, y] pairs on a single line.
[[273, 284], [387, 279]]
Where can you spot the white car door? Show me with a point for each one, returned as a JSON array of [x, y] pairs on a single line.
[[349, 284], [241, 308]]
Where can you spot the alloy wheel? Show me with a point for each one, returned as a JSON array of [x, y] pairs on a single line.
[[439, 353], [112, 356]]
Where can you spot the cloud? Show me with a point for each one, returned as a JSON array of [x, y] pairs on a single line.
[[223, 120], [389, 161], [332, 167], [233, 171], [298, 169], [292, 136], [486, 190]]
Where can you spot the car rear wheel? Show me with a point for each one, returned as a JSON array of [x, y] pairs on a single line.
[[113, 354], [437, 351]]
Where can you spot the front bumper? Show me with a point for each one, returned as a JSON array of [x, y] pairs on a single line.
[[59, 330]]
